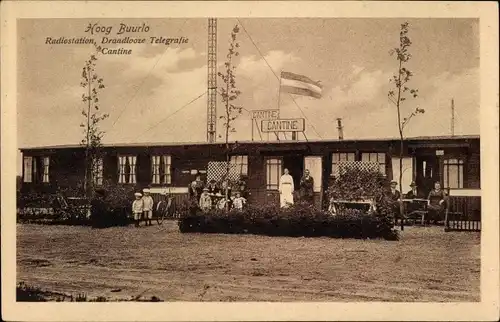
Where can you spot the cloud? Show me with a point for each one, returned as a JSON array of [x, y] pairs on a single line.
[[367, 113]]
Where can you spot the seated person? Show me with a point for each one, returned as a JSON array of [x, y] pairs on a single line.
[[395, 197], [239, 201], [437, 203], [414, 193], [196, 188], [212, 187]]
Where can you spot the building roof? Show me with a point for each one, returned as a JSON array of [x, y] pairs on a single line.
[[153, 144]]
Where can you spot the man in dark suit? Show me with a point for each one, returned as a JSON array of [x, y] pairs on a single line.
[[395, 194], [396, 199], [414, 193]]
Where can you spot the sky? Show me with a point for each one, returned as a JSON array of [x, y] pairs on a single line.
[[146, 92]]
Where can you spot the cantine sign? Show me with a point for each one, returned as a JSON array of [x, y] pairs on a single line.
[[265, 114], [290, 125]]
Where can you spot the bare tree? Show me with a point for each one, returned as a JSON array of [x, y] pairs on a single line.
[[229, 93], [92, 84], [401, 91]]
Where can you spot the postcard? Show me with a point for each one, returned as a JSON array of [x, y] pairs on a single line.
[[182, 161]]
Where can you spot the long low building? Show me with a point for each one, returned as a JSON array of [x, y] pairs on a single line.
[[453, 160]]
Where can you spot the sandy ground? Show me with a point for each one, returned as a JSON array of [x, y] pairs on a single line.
[[427, 264]]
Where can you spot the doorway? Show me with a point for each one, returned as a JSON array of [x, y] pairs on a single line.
[[427, 172], [295, 166]]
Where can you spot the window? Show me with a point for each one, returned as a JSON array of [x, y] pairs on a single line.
[[161, 169], [127, 169], [46, 163], [273, 173], [453, 173], [339, 157], [241, 164], [375, 157], [97, 171], [28, 169]]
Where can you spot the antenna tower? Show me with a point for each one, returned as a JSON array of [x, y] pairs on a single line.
[[212, 80]]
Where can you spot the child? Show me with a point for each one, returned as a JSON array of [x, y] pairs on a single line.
[[137, 208], [148, 207], [239, 201], [205, 200]]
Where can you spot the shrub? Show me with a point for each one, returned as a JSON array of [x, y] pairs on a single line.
[[357, 184], [299, 220], [110, 206], [26, 293]]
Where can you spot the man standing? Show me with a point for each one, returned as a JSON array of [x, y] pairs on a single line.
[[307, 187], [148, 207], [196, 189]]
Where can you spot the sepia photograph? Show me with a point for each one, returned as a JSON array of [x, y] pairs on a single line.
[[242, 158]]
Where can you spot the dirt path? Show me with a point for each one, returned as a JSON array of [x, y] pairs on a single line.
[[122, 262]]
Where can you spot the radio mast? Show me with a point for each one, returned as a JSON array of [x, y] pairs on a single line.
[[212, 80]]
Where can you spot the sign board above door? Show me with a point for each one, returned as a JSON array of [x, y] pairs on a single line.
[[288, 125]]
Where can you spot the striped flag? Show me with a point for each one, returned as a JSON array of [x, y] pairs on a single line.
[[300, 85]]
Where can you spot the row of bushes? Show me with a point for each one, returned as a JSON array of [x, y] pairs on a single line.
[[298, 220], [27, 293]]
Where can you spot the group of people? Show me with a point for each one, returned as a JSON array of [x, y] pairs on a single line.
[[436, 199], [214, 195], [142, 207], [287, 188]]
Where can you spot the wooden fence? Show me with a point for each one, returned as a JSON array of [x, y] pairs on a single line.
[[464, 213]]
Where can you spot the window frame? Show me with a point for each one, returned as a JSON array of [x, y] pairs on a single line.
[[460, 165], [32, 159], [381, 165], [99, 179], [45, 169], [243, 158], [131, 169], [335, 162], [164, 163]]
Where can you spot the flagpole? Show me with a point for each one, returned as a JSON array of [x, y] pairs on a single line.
[[279, 92], [279, 99]]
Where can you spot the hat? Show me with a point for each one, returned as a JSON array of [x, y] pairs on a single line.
[[138, 194], [394, 182], [413, 184], [145, 190], [205, 189]]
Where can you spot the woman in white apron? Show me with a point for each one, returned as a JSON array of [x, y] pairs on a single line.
[[286, 189]]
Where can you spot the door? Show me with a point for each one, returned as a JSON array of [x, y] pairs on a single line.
[[315, 166]]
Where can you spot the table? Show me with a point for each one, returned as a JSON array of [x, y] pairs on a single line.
[[419, 207], [367, 205]]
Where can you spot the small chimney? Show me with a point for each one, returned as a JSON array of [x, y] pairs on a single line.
[[340, 128]]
